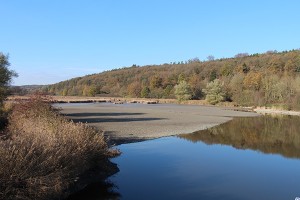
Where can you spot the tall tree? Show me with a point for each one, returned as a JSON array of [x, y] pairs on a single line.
[[210, 58], [6, 76], [183, 91], [145, 92], [214, 92]]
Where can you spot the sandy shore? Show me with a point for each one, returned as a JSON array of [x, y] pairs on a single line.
[[134, 122], [276, 112]]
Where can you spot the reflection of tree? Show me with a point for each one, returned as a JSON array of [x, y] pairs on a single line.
[[96, 191], [276, 135]]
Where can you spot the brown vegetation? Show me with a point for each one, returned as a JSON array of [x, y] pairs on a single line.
[[43, 155], [275, 135], [271, 78], [77, 99]]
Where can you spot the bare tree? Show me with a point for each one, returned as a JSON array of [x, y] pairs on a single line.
[[210, 58], [241, 55]]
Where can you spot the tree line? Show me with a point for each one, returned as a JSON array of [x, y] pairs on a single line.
[[271, 78]]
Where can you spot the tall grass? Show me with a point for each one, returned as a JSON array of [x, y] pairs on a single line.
[[43, 154]]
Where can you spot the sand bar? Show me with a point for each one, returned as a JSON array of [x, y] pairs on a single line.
[[133, 122]]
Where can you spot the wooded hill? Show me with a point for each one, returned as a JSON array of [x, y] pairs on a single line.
[[258, 79]]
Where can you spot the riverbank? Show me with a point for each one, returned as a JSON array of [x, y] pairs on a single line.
[[115, 100], [264, 110], [45, 156], [127, 122], [120, 100]]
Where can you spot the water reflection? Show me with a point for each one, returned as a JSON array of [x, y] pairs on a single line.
[[268, 134], [176, 168], [96, 191]]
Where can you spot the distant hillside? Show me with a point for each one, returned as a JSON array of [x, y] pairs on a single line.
[[25, 89], [258, 79]]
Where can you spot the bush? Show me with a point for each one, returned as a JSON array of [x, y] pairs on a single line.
[[183, 91], [44, 154], [214, 92]]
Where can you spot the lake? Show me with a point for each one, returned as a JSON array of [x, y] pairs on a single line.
[[246, 158]]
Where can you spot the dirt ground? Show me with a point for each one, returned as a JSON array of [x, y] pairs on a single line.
[[135, 122]]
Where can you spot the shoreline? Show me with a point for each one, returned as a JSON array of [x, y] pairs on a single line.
[[271, 111], [122, 100]]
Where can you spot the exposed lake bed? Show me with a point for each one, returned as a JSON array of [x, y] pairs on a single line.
[[245, 158], [135, 122]]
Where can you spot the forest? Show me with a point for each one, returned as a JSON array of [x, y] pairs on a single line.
[[262, 79]]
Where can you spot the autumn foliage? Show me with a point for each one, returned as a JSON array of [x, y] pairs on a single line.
[[271, 78]]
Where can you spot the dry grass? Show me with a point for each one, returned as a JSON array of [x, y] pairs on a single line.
[[79, 99], [44, 154]]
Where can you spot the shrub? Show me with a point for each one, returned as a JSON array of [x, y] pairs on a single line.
[[45, 154], [183, 91], [145, 92], [214, 92]]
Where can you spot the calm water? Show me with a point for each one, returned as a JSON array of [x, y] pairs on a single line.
[[246, 158]]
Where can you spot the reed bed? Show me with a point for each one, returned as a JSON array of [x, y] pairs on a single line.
[[43, 155]]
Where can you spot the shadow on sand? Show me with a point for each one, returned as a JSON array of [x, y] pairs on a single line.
[[101, 114], [108, 117]]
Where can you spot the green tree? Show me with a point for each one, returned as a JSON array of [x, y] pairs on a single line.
[[65, 92], [168, 91], [226, 70], [181, 78], [183, 91], [145, 92], [6, 76], [214, 92], [92, 91], [245, 68], [213, 75]]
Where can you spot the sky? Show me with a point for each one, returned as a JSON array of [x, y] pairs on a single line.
[[53, 40]]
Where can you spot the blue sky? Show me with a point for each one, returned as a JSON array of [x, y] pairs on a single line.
[[53, 40]]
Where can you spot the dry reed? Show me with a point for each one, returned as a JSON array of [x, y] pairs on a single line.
[[43, 154]]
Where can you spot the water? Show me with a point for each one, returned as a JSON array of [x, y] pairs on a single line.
[[246, 158]]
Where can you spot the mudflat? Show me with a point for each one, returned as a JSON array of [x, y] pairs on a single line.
[[133, 122]]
